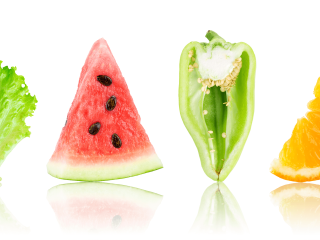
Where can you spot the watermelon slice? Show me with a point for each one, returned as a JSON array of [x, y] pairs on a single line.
[[103, 138], [96, 207]]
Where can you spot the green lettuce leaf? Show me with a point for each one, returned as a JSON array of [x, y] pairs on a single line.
[[16, 104]]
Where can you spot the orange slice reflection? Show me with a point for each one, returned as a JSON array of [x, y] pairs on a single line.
[[299, 204]]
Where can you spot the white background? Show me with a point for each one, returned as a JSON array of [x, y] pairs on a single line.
[[49, 42]]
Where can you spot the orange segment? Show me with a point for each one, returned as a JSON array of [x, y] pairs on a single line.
[[314, 104], [310, 141], [299, 159], [316, 90], [314, 118], [293, 148]]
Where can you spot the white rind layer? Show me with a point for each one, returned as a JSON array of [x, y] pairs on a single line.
[[288, 171], [99, 172]]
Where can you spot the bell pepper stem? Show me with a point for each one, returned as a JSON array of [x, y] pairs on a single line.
[[211, 35]]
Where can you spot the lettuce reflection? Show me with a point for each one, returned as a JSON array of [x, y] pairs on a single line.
[[219, 213], [96, 207], [299, 205], [8, 223]]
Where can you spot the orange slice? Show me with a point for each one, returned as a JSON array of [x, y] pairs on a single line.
[[299, 159], [299, 205]]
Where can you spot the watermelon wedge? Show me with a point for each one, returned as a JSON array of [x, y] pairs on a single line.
[[96, 207], [103, 138]]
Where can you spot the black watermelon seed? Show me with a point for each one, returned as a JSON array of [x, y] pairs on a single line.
[[116, 141], [116, 220], [66, 122], [104, 80], [94, 128], [111, 103]]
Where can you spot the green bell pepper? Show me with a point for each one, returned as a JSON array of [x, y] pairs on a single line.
[[216, 100]]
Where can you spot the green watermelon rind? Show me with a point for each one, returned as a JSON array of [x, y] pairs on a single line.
[[104, 172]]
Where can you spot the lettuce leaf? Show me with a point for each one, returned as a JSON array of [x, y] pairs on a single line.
[[16, 104]]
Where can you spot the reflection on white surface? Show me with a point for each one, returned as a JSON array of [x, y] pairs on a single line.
[[96, 207], [219, 213], [299, 204], [8, 223]]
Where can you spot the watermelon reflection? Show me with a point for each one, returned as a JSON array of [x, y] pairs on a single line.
[[96, 207], [219, 213], [299, 205], [8, 223]]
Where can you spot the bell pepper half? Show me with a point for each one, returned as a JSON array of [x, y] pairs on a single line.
[[216, 100]]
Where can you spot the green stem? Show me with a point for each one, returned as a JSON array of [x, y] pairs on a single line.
[[211, 35]]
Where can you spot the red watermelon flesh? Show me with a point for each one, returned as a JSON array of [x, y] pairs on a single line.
[[94, 207], [80, 155]]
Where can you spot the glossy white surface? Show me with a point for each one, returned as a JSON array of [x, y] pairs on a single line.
[[49, 42]]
